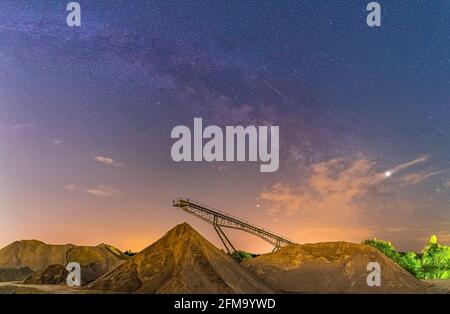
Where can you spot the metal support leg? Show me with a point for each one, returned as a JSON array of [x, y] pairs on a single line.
[[277, 246], [226, 242]]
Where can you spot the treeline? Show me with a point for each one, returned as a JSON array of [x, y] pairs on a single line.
[[432, 263]]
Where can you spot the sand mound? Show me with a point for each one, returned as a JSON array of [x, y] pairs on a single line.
[[49, 275], [336, 267], [441, 286], [14, 274], [181, 262], [95, 260]]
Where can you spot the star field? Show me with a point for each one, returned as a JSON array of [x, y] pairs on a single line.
[[353, 103]]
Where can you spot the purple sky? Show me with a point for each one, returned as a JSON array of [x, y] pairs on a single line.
[[86, 115]]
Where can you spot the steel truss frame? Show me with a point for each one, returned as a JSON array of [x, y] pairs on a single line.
[[221, 220]]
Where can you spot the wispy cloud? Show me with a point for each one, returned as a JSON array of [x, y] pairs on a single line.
[[335, 186], [102, 191], [21, 126], [327, 234], [418, 177], [409, 164], [108, 161], [395, 229], [57, 141], [443, 236], [69, 187]]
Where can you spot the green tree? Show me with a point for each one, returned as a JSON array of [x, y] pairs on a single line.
[[436, 260], [412, 263], [385, 247], [433, 263]]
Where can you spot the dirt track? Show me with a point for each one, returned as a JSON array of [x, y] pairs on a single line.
[[19, 288]]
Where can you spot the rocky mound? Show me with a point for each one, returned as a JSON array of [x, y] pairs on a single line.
[[14, 274], [49, 275], [96, 260], [335, 267], [181, 262]]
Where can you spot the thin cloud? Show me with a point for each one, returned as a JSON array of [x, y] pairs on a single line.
[[443, 237], [20, 126], [108, 161], [330, 234], [332, 186], [102, 191], [336, 186], [416, 178], [409, 164], [69, 187], [395, 229], [57, 141]]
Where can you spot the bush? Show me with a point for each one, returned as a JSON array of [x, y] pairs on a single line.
[[436, 260], [241, 255], [385, 247], [433, 263], [129, 253], [412, 263]]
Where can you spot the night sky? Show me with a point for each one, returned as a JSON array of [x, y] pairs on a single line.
[[86, 115]]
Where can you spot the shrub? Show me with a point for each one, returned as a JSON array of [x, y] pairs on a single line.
[[241, 255], [436, 260], [433, 263], [412, 263], [129, 253], [385, 247]]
